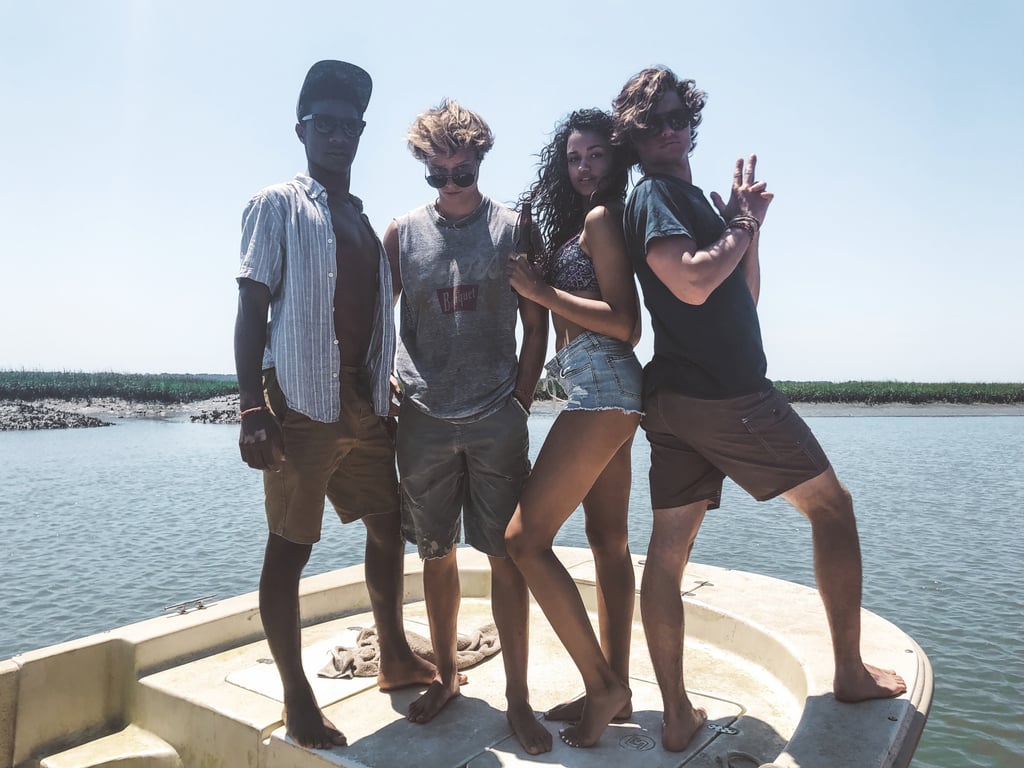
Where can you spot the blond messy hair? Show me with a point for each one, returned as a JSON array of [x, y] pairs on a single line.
[[446, 129]]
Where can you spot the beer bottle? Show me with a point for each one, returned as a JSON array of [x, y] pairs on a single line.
[[524, 248]]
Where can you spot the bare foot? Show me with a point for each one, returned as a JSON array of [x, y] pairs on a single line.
[[678, 732], [533, 736], [572, 711], [598, 711], [869, 683], [437, 695], [309, 727], [406, 671]]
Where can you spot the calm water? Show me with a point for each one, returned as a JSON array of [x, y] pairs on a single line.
[[103, 527]]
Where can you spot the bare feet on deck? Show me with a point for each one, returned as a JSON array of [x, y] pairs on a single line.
[[309, 727], [533, 736], [572, 711], [401, 673], [437, 695], [678, 731], [868, 683], [598, 711]]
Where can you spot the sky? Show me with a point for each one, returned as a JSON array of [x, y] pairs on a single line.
[[134, 133]]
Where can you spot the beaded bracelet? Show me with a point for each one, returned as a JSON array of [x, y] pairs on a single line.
[[247, 411], [747, 223]]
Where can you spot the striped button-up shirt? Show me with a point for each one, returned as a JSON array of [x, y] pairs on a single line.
[[288, 244]]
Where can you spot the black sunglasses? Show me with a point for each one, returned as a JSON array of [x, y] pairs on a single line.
[[677, 119], [328, 124], [438, 180]]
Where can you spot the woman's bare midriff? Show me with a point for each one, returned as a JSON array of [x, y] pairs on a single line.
[[567, 330]]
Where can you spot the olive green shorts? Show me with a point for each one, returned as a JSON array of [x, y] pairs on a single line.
[[351, 462], [457, 474]]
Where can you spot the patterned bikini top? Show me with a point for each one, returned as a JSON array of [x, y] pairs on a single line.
[[572, 270]]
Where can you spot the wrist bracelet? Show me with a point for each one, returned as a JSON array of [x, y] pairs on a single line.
[[247, 411], [747, 223]]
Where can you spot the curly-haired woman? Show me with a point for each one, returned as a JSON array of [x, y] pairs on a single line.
[[588, 286]]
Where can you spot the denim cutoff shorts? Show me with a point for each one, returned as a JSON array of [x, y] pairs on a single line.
[[598, 373]]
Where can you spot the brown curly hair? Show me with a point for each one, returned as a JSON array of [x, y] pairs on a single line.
[[448, 128], [633, 107]]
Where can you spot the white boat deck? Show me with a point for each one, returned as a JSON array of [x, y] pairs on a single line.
[[198, 689]]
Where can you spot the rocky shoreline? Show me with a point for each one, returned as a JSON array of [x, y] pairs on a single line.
[[21, 415]]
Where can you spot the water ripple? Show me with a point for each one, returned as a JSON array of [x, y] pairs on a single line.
[[106, 527]]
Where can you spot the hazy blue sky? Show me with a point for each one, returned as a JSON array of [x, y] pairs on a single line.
[[890, 132]]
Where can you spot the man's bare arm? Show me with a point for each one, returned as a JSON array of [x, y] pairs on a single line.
[[751, 266], [691, 274], [259, 441], [531, 354], [391, 247]]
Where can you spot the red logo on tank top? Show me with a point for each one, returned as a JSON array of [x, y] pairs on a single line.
[[458, 298]]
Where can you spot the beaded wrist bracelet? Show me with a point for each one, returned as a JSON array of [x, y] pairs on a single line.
[[747, 223]]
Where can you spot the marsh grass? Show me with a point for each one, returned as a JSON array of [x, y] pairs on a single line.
[[879, 392], [184, 388], [870, 392], [134, 387]]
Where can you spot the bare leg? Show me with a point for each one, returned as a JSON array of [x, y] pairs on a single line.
[[661, 606], [510, 604], [399, 666], [837, 569], [442, 593], [279, 610], [606, 506], [578, 447]]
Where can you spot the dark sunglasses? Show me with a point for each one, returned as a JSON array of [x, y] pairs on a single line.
[[677, 119], [328, 124], [438, 180]]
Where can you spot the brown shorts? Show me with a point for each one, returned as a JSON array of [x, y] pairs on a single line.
[[757, 440], [350, 461]]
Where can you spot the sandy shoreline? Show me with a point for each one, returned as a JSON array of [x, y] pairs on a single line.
[[17, 415]]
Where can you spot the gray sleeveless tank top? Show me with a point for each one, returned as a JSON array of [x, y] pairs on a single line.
[[457, 357]]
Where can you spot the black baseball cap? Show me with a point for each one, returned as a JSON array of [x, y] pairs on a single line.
[[331, 79]]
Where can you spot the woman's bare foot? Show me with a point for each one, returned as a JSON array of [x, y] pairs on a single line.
[[598, 711], [678, 731], [534, 737], [572, 711], [437, 695], [401, 673], [868, 683], [309, 727]]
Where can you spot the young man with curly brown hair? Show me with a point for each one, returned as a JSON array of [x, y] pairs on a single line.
[[710, 411]]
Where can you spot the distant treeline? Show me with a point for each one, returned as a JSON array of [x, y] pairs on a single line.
[[183, 388]]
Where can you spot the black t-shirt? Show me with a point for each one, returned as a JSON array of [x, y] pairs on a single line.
[[713, 350]]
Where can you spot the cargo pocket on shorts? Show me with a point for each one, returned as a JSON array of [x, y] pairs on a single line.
[[778, 428]]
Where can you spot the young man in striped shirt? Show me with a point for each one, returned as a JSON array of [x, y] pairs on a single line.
[[314, 386]]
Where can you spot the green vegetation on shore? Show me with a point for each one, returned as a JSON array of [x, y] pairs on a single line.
[[878, 392], [134, 387], [184, 388]]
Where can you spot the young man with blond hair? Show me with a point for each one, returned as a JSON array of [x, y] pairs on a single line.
[[463, 447]]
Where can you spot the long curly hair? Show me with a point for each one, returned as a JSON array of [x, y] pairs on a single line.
[[558, 209], [633, 107]]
